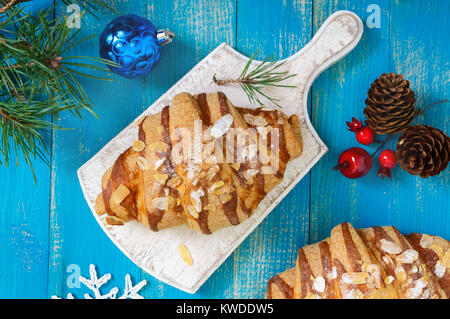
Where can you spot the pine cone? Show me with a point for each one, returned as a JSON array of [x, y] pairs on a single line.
[[390, 104], [423, 150]]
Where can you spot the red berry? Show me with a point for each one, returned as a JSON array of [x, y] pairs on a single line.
[[354, 162], [387, 162], [364, 134]]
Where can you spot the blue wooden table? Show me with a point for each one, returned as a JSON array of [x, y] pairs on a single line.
[[46, 228]]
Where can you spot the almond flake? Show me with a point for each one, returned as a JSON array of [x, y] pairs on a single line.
[[250, 173], [413, 269], [225, 198], [160, 203], [174, 181], [236, 166], [387, 260], [120, 211], [196, 199], [439, 269], [161, 178], [138, 145], [217, 185], [143, 163], [355, 278], [220, 190], [158, 163], [390, 247], [185, 254], [204, 166], [388, 280], [400, 273], [407, 257], [319, 284], [221, 126], [113, 221], [446, 259], [333, 274], [416, 291], [192, 212], [438, 250], [426, 241], [255, 120], [374, 275], [119, 194], [178, 202], [100, 208], [407, 283]]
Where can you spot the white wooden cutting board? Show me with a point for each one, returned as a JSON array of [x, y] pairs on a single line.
[[157, 253]]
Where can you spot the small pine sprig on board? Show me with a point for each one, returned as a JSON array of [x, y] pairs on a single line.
[[265, 74], [38, 79]]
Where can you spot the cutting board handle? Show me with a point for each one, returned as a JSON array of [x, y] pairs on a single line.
[[337, 36]]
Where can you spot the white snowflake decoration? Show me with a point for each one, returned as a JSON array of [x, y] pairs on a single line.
[[95, 283]]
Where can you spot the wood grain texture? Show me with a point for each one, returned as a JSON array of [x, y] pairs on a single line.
[[47, 227], [24, 213], [404, 45], [337, 95]]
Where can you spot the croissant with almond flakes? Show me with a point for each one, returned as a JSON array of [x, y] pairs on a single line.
[[201, 162], [372, 263]]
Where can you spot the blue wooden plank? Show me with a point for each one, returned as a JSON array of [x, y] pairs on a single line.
[[418, 50], [282, 28], [339, 94], [75, 236], [421, 51], [24, 223], [24, 230]]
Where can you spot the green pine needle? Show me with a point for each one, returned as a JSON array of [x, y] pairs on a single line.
[[265, 74], [39, 79]]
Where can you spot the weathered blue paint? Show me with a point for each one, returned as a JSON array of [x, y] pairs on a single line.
[[46, 228]]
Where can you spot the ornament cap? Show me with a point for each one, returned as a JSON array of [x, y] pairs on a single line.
[[164, 36]]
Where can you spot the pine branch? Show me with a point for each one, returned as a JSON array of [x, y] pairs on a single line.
[[265, 74], [10, 4], [38, 80]]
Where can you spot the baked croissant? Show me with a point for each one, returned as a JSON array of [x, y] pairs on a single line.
[[372, 263], [200, 162]]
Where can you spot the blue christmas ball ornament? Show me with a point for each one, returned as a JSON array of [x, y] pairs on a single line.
[[134, 43]]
